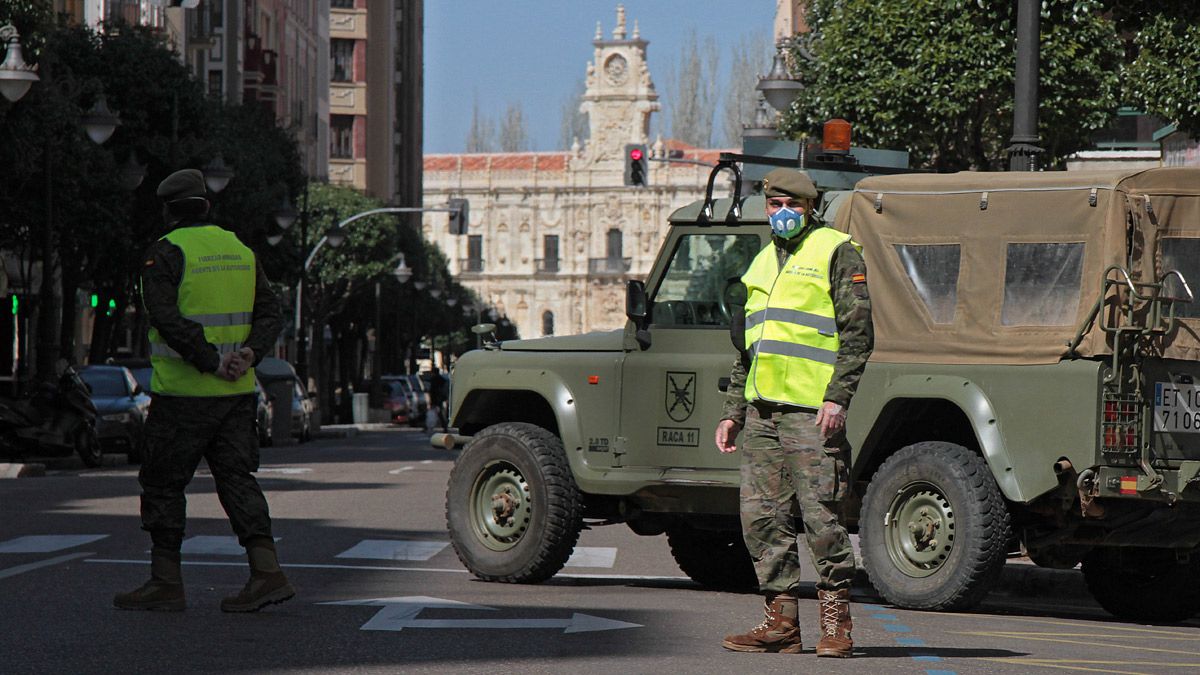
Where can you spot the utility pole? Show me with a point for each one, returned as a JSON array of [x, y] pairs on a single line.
[[1024, 149]]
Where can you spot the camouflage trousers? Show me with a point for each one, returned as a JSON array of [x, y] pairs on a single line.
[[180, 431], [791, 477]]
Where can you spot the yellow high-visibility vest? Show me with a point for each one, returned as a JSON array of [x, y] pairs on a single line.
[[217, 292], [791, 331]]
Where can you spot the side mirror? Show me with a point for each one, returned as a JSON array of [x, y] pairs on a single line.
[[635, 311]]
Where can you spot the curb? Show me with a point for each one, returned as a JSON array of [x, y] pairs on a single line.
[[351, 430], [21, 470]]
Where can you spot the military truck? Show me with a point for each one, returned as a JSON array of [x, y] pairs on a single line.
[[1035, 389]]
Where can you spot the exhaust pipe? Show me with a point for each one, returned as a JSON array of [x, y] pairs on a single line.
[[448, 441]]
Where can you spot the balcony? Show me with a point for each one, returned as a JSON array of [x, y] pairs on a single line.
[[546, 265], [470, 265], [609, 266]]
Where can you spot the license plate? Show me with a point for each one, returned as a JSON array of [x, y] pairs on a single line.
[[1177, 408]]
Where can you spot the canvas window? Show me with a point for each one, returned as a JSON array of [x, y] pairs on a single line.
[[1182, 255], [1042, 284], [933, 271]]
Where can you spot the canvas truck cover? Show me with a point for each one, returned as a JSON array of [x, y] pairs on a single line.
[[1005, 267]]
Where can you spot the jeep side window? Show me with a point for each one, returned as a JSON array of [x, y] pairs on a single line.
[[1183, 255], [933, 271], [1042, 284], [697, 274]]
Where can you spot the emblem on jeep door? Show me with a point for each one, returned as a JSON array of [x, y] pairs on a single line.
[[681, 395]]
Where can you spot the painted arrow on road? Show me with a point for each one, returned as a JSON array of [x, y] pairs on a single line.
[[400, 613]]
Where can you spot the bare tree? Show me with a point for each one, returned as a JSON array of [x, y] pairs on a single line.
[[514, 137], [482, 135], [574, 124], [751, 57], [692, 88]]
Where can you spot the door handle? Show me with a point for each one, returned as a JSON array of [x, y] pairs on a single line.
[[723, 384]]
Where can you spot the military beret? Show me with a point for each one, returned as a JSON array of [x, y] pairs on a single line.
[[183, 184], [783, 182]]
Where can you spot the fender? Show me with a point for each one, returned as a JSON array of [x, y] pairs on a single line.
[[971, 400]]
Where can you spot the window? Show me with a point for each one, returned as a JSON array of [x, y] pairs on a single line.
[[933, 271], [550, 253], [342, 4], [613, 244], [215, 83], [341, 55], [341, 136], [474, 252], [703, 272], [1183, 256], [547, 323], [1041, 284]]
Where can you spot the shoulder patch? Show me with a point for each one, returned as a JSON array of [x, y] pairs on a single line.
[[858, 278]]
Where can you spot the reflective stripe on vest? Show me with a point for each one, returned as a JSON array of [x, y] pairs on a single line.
[[793, 350], [217, 292]]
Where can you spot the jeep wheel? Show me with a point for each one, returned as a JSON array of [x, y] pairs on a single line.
[[1143, 585], [715, 559], [512, 508], [934, 528]]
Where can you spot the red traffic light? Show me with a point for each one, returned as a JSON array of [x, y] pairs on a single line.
[[635, 154]]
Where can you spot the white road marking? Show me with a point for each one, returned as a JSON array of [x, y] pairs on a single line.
[[400, 613], [287, 470], [427, 461], [209, 545], [402, 469], [47, 543], [593, 556], [14, 571], [384, 549], [381, 568]]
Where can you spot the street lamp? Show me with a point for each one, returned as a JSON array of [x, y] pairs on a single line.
[[217, 175], [132, 173], [777, 86], [100, 122], [15, 74]]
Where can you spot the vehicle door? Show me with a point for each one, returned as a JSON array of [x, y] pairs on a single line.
[[674, 389]]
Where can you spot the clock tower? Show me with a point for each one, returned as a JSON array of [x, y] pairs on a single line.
[[620, 96]]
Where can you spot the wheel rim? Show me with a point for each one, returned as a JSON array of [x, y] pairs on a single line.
[[501, 507], [920, 529]]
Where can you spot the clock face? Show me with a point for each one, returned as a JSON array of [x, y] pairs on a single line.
[[616, 69]]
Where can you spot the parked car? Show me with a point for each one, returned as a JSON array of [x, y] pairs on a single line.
[[265, 414], [121, 408], [401, 402], [422, 393], [303, 411]]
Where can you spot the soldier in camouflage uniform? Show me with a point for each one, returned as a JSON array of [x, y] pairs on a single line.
[[794, 450], [204, 345]]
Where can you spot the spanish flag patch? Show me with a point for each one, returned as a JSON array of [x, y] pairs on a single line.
[[1129, 485], [858, 278]]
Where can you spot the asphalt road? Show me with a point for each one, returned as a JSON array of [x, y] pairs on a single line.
[[361, 531]]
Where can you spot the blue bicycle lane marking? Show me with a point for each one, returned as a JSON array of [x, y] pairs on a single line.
[[891, 623]]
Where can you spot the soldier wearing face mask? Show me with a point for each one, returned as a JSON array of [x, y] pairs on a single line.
[[808, 335]]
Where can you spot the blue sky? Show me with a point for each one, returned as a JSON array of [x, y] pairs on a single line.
[[534, 52]]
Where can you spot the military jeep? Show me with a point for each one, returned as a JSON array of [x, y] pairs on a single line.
[[1035, 389]]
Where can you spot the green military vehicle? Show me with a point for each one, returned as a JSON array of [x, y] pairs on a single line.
[[1035, 388]]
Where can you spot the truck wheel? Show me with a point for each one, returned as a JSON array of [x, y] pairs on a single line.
[[1143, 585], [934, 529], [512, 507], [716, 559], [88, 447]]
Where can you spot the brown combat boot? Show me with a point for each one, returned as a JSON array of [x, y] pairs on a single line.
[[267, 584], [835, 624], [778, 632], [164, 590]]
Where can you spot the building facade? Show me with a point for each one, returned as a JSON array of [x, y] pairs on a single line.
[[554, 236], [376, 88]]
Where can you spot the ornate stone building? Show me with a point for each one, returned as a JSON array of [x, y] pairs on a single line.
[[553, 236]]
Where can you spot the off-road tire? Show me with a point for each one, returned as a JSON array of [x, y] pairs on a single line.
[[1143, 585], [521, 469], [87, 445], [950, 487], [714, 559]]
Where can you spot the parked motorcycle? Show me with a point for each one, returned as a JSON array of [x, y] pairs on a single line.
[[56, 421]]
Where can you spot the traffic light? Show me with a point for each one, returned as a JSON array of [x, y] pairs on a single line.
[[459, 217], [637, 163]]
